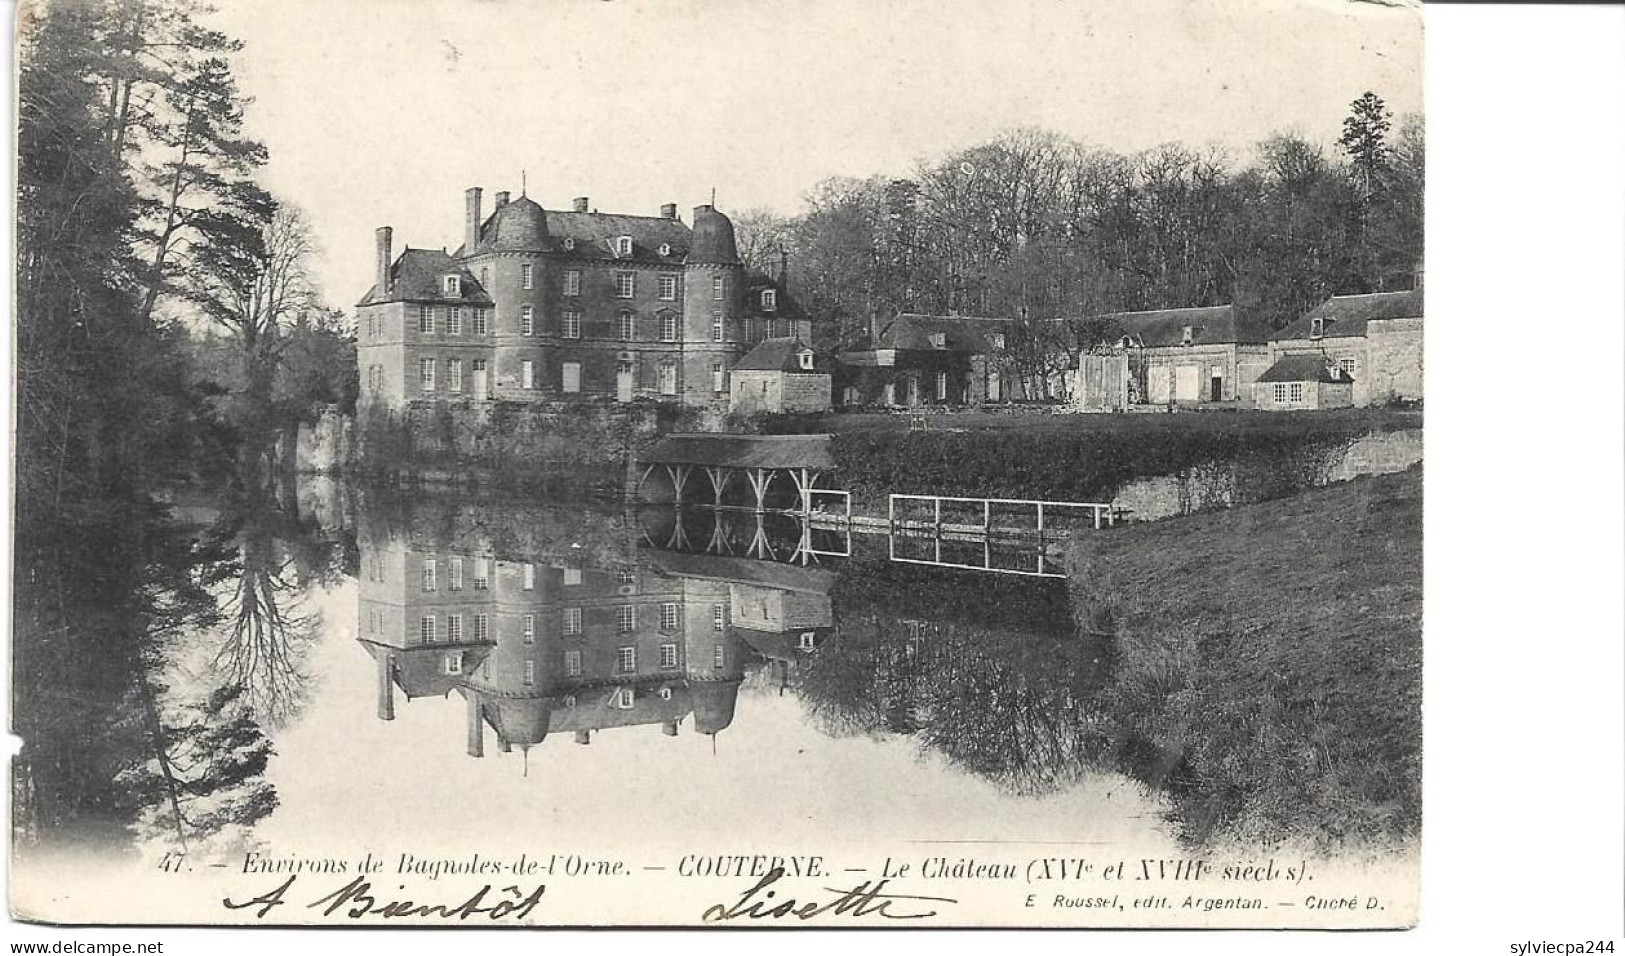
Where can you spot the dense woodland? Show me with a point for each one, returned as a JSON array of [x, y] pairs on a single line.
[[167, 336], [1050, 231]]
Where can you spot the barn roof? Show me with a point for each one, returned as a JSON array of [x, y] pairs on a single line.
[[743, 451], [1209, 325], [1301, 368]]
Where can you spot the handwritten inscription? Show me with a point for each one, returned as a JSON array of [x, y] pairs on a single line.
[[357, 900], [864, 899]]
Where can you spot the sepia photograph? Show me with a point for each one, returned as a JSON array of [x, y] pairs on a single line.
[[772, 465]]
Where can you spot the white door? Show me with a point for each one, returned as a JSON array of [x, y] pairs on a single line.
[[1158, 382], [1185, 383], [623, 382], [480, 381], [993, 385]]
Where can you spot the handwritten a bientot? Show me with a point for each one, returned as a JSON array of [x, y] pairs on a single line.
[[760, 902], [357, 900]]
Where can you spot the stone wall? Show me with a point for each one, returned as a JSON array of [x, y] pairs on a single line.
[[1226, 484]]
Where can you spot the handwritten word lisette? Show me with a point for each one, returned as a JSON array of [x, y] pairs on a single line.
[[759, 902], [356, 900]]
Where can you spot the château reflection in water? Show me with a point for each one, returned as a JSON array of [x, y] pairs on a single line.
[[645, 619]]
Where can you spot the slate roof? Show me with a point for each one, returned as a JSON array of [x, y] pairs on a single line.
[[743, 451], [522, 225], [713, 238], [778, 355], [714, 703], [1348, 315], [595, 709], [713, 567], [1302, 368], [1211, 325], [962, 333], [785, 304], [416, 275], [420, 670], [779, 645]]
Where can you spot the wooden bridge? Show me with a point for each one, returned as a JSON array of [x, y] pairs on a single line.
[[741, 471]]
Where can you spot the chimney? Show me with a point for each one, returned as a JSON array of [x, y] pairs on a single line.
[[386, 688], [583, 737], [669, 728], [668, 211], [476, 727], [471, 228], [386, 238], [784, 267], [580, 203], [502, 199]]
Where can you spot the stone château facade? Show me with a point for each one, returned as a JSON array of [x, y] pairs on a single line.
[[541, 304]]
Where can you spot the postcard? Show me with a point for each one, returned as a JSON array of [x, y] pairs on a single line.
[[794, 465]]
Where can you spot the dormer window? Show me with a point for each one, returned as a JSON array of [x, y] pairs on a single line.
[[453, 285], [808, 640], [807, 361], [623, 246], [770, 300], [998, 340], [569, 244], [1188, 335], [939, 340], [623, 698], [665, 248], [1317, 328]]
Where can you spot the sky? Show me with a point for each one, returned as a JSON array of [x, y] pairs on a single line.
[[381, 112]]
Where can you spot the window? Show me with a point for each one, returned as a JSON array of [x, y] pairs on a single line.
[[668, 287], [719, 288], [719, 616], [453, 285], [1187, 335], [626, 659], [569, 700], [626, 576], [482, 324], [770, 300], [807, 641], [482, 627], [665, 248], [572, 282], [527, 373], [428, 574], [719, 656], [806, 360], [625, 284], [569, 244], [1295, 392], [572, 621], [454, 628], [716, 326], [719, 378], [939, 340], [750, 330], [426, 374], [454, 663], [528, 577], [623, 698], [668, 655], [665, 693], [623, 246], [572, 663], [426, 629], [527, 631], [626, 326], [668, 617], [530, 673], [668, 377], [626, 618], [668, 327], [426, 319], [454, 375], [527, 276], [527, 320], [485, 276], [572, 577], [942, 386], [482, 574], [572, 377], [997, 340], [1346, 366], [454, 572], [572, 324], [454, 321]]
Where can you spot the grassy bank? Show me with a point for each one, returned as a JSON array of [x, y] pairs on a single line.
[[1269, 662]]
